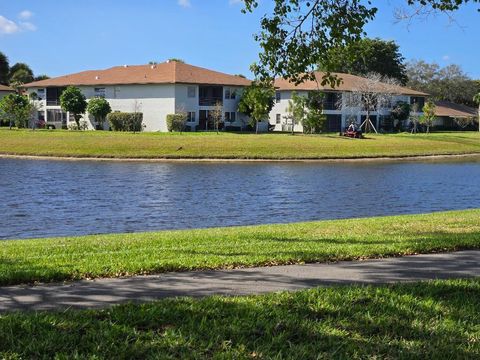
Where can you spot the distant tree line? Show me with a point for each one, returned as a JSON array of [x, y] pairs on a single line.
[[16, 75], [366, 56]]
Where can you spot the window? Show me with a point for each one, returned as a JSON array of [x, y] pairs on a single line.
[[332, 101], [420, 101], [230, 93], [41, 94], [278, 119], [278, 96], [230, 116], [191, 116], [192, 92], [99, 92]]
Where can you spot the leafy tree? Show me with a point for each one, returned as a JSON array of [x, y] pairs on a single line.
[[41, 77], [16, 110], [296, 110], [21, 66], [72, 100], [20, 77], [4, 69], [99, 108], [298, 34], [257, 102], [315, 120], [476, 99], [177, 60], [367, 56], [428, 116], [401, 111], [449, 83]]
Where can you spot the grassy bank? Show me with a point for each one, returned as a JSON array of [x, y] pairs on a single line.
[[231, 146], [145, 253], [432, 320]]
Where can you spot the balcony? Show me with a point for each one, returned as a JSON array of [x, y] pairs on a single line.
[[330, 105], [210, 101], [53, 95], [210, 95], [53, 102]]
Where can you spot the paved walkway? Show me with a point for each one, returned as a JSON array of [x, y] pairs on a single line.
[[105, 292]]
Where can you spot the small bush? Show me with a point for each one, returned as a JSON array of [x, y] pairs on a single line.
[[73, 126], [176, 122], [121, 121]]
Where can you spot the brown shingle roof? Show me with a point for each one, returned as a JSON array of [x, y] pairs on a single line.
[[445, 108], [5, 88], [164, 73], [349, 83]]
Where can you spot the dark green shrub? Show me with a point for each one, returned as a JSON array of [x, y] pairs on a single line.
[[121, 121], [176, 122]]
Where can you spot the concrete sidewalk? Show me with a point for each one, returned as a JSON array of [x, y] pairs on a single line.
[[106, 292]]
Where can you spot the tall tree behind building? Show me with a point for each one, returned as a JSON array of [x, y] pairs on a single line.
[[369, 56], [449, 83]]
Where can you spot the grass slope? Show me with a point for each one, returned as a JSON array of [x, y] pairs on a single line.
[[143, 253], [231, 146], [431, 320]]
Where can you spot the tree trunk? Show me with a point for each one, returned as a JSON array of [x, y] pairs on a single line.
[[478, 117], [256, 126]]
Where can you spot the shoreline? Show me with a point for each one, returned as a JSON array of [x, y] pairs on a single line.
[[246, 160]]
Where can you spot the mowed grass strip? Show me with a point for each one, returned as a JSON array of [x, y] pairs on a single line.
[[430, 320], [105, 144], [71, 258]]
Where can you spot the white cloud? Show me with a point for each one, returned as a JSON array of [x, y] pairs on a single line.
[[184, 3], [8, 27], [234, 2], [25, 15], [445, 57], [28, 26]]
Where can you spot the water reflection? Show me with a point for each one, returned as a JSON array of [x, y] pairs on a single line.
[[56, 198]]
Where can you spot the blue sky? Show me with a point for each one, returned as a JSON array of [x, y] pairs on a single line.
[[58, 37]]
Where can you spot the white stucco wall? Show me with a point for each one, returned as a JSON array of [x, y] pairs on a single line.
[[184, 103], [4, 93], [347, 113], [155, 101]]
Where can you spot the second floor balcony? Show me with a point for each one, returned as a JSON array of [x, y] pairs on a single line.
[[210, 95]]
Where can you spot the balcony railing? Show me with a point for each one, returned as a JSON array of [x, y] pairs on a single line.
[[330, 105], [53, 102], [210, 101]]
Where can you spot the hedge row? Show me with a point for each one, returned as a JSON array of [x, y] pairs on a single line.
[[121, 121], [176, 122]]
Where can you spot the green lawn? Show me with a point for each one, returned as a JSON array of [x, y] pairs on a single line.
[[231, 146], [430, 320], [145, 253]]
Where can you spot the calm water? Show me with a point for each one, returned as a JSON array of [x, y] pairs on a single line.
[[56, 198]]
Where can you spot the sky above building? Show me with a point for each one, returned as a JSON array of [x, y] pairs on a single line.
[[60, 37]]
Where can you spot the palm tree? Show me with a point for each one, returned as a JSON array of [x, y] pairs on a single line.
[[476, 98]]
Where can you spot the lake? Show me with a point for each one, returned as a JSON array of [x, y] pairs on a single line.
[[43, 198]]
